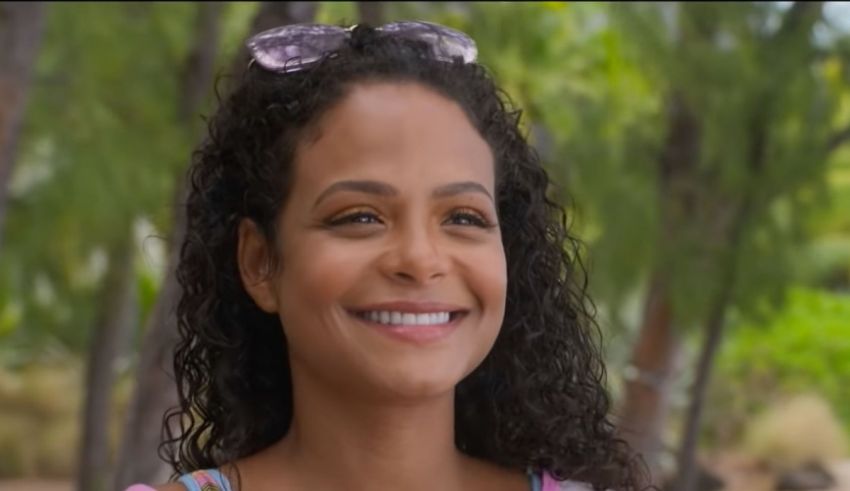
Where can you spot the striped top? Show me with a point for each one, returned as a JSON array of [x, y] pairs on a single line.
[[213, 480]]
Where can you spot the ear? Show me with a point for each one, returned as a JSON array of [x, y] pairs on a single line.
[[254, 259]]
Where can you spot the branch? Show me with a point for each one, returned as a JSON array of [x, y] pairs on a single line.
[[371, 13], [200, 64], [797, 17], [837, 139]]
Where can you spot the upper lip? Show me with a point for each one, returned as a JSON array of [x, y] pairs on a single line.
[[411, 307]]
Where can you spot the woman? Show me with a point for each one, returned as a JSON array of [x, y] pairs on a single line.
[[376, 291]]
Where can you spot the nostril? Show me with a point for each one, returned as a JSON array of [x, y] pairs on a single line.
[[404, 277]]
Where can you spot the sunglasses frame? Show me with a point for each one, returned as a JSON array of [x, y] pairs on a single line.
[[295, 47]]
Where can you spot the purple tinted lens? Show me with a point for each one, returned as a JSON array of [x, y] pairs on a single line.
[[288, 48], [446, 43], [293, 47]]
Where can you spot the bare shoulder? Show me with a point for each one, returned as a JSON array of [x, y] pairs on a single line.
[[487, 475]]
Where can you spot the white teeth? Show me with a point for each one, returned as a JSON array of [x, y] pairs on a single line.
[[407, 319]]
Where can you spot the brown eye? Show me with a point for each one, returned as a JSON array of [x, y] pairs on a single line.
[[356, 218], [468, 218]]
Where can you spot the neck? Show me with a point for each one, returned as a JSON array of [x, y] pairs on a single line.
[[357, 444]]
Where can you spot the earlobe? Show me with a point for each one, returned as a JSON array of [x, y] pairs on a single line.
[[254, 260]]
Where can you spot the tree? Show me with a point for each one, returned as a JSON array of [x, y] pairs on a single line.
[[371, 13], [115, 321], [193, 85], [137, 460], [21, 26], [97, 137], [790, 45], [155, 392], [96, 156], [735, 98]]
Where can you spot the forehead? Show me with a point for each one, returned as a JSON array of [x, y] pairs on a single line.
[[394, 130]]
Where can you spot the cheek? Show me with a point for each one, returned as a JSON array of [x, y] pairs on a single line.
[[487, 274], [317, 273], [315, 276]]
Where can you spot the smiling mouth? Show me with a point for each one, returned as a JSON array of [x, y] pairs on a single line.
[[409, 319]]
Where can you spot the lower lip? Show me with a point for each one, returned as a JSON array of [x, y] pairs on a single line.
[[415, 334]]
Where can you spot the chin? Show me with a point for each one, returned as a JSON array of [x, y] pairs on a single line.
[[418, 385]]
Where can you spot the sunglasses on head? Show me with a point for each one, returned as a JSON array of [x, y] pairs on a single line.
[[295, 47]]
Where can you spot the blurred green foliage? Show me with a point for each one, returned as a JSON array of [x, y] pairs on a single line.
[[101, 148], [804, 347]]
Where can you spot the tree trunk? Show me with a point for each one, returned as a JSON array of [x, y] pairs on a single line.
[[21, 26], [155, 392], [645, 404], [200, 64], [154, 388], [797, 25], [371, 13], [686, 461], [646, 392], [116, 319]]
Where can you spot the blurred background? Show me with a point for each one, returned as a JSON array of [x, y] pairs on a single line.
[[703, 150]]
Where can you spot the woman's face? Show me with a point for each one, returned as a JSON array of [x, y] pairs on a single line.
[[392, 273]]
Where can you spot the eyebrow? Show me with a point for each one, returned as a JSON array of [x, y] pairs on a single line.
[[383, 189], [455, 188]]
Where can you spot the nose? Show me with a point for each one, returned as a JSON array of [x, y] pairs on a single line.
[[415, 256]]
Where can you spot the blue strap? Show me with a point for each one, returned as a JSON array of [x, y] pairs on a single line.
[[188, 480], [536, 481]]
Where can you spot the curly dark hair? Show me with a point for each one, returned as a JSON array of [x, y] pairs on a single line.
[[538, 400]]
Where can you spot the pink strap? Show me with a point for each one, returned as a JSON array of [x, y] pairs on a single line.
[[550, 484], [205, 481]]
